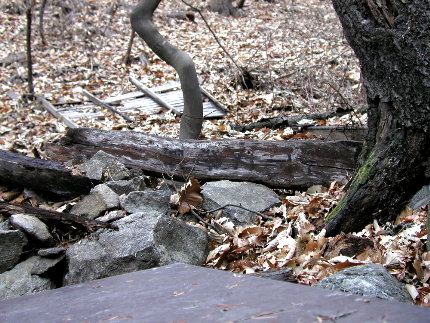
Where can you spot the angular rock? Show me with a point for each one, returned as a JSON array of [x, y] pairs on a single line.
[[33, 227], [103, 166], [51, 252], [127, 186], [100, 199], [4, 225], [255, 197], [42, 265], [12, 243], [371, 280], [19, 281], [141, 242], [149, 202], [421, 198]]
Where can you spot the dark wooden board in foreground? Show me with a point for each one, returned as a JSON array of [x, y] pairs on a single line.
[[292, 163], [41, 175], [184, 293]]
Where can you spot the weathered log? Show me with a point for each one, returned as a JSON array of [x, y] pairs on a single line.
[[47, 215], [41, 175], [293, 163]]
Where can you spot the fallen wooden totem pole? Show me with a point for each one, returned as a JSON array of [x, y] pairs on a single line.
[[288, 164]]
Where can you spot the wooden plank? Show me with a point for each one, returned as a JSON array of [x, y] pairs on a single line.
[[136, 94], [99, 102], [185, 293], [210, 97], [52, 110], [292, 163], [153, 96]]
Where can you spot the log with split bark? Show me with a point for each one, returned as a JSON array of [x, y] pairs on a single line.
[[288, 164], [41, 175]]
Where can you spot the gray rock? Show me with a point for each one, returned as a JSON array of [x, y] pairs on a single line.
[[19, 281], [252, 196], [51, 252], [421, 198], [4, 225], [103, 166], [100, 199], [371, 280], [33, 227], [127, 186], [42, 264], [12, 243], [149, 202], [141, 242]]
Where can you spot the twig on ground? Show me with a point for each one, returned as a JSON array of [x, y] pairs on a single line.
[[265, 217], [198, 217]]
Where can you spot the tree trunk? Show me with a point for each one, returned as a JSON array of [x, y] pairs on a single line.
[[223, 7], [391, 40], [192, 118], [29, 18]]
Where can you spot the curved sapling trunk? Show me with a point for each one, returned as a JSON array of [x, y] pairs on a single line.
[[192, 118]]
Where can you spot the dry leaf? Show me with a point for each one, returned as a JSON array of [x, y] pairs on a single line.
[[190, 197]]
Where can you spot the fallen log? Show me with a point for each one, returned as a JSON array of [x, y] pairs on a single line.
[[292, 164], [41, 175], [47, 215]]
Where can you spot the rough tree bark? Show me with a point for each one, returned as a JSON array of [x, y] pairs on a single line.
[[287, 164], [192, 118], [391, 40]]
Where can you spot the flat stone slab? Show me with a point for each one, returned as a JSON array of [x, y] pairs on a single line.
[[185, 293]]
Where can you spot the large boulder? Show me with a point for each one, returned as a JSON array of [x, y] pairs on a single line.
[[24, 278], [12, 243], [370, 280], [141, 242], [255, 197]]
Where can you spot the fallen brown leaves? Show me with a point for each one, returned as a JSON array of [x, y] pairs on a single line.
[[294, 239]]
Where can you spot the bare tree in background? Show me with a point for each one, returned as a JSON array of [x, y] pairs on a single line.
[[192, 117], [29, 17]]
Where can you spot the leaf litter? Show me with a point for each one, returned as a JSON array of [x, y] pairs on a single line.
[[300, 64]]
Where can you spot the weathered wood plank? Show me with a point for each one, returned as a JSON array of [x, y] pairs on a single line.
[[52, 110], [298, 163], [153, 96], [42, 175], [99, 102], [185, 293]]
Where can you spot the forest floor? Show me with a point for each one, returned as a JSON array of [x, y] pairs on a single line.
[[301, 64]]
